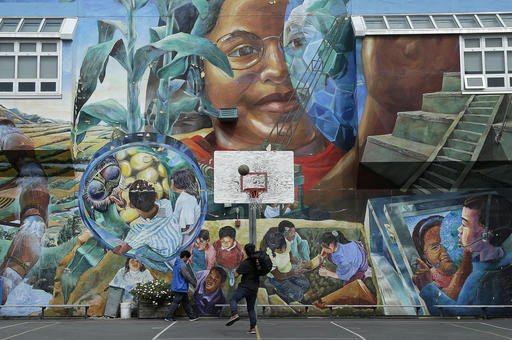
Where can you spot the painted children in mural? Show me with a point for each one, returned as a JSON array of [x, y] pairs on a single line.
[[127, 277], [261, 88], [299, 248], [427, 239], [349, 257], [153, 236], [229, 252], [289, 283], [203, 254], [273, 210], [209, 292], [186, 209], [486, 225]]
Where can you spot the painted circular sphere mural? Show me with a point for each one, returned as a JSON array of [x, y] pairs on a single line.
[[144, 196]]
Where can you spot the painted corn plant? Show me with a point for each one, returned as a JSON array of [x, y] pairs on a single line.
[[176, 50]]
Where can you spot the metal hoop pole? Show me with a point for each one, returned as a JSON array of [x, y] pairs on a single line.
[[254, 209], [253, 212]]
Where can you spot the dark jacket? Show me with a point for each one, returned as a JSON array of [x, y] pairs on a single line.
[[250, 277]]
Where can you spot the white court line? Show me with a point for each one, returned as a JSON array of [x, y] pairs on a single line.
[[16, 324], [478, 330], [499, 327], [161, 332], [348, 330], [31, 330]]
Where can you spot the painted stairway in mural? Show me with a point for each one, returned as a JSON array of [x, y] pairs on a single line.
[[459, 149], [436, 148]]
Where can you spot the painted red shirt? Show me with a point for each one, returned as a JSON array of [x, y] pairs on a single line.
[[229, 258], [314, 167]]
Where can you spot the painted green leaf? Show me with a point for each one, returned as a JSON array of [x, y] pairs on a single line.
[[161, 6], [175, 68], [107, 28], [157, 33], [203, 6], [208, 11], [140, 3], [317, 5], [207, 107], [184, 43], [126, 4], [108, 111], [144, 56], [93, 64], [119, 54], [187, 44], [178, 3], [177, 107]]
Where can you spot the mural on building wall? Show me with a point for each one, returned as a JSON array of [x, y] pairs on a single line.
[[136, 186]]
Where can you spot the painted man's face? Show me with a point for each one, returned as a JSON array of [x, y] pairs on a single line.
[[261, 89], [436, 253], [470, 232], [212, 282]]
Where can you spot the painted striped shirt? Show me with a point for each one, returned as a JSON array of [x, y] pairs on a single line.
[[160, 233]]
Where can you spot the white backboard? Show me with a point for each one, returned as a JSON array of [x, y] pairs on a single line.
[[277, 164]]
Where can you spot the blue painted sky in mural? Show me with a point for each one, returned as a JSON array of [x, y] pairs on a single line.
[[89, 12], [430, 6]]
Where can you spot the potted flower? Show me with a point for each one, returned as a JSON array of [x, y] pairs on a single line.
[[153, 299]]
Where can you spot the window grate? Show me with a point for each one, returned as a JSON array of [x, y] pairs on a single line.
[[431, 24], [486, 63], [30, 67], [30, 25]]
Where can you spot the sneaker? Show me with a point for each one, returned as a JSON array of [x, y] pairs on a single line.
[[169, 319], [251, 331], [193, 319], [233, 319]]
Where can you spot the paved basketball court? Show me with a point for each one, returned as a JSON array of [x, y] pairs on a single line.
[[278, 328]]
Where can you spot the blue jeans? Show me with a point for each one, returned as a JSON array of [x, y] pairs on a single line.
[[250, 296], [291, 289]]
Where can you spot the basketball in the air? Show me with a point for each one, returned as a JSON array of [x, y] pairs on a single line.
[[243, 169]]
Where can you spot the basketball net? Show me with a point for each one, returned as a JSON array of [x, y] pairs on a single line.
[[255, 199]]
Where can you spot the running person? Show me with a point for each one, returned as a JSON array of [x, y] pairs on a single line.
[[247, 288]]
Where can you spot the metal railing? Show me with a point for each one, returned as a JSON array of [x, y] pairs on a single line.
[[499, 135], [330, 307], [44, 307], [483, 308]]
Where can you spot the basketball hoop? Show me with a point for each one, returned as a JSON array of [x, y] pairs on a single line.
[[255, 198], [254, 184]]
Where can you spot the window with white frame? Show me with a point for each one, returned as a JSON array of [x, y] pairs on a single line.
[[30, 67], [31, 55], [486, 63]]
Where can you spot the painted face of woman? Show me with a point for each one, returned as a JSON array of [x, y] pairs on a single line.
[[261, 89]]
